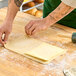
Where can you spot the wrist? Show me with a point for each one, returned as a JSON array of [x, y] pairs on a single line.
[[51, 20], [7, 23], [9, 19]]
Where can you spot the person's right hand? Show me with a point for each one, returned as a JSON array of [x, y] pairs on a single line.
[[5, 29]]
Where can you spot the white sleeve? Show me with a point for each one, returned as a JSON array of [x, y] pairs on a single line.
[[71, 3]]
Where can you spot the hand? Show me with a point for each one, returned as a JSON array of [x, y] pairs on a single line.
[[5, 29], [37, 25]]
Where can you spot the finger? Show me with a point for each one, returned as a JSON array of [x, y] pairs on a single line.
[[26, 29], [35, 31], [6, 37], [30, 30], [28, 26], [1, 41]]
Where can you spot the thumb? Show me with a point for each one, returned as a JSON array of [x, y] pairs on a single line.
[[6, 37]]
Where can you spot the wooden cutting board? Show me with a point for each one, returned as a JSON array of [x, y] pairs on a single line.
[[13, 64]]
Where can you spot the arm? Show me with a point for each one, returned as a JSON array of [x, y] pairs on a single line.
[[61, 11], [13, 7]]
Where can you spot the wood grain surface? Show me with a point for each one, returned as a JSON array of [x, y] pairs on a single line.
[[13, 64]]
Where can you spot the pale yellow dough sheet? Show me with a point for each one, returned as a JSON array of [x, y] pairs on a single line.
[[34, 49]]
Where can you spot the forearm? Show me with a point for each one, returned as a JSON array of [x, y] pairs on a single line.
[[13, 7], [60, 12]]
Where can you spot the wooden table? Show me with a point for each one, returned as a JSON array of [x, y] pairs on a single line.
[[12, 64]]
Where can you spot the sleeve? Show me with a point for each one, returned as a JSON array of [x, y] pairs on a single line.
[[71, 3]]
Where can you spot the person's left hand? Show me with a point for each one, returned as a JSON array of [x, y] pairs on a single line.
[[37, 25]]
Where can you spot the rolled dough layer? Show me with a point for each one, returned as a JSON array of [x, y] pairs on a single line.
[[32, 48]]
